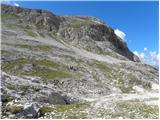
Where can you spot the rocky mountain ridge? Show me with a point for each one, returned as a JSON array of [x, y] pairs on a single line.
[[87, 32], [70, 67]]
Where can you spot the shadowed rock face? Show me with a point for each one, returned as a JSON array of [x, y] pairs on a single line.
[[71, 67], [80, 31]]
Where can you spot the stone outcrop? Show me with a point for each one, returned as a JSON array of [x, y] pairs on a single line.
[[71, 67]]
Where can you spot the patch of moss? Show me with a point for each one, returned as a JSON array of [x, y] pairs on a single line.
[[10, 66], [80, 24], [103, 66], [126, 89], [45, 62], [22, 88], [12, 26], [45, 69], [73, 59], [35, 47], [48, 74], [11, 16], [45, 109], [5, 52], [30, 32], [70, 111], [14, 109], [132, 109]]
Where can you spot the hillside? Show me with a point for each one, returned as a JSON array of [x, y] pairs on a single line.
[[70, 67]]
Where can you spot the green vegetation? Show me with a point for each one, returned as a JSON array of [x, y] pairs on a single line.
[[125, 81], [132, 110], [11, 16], [103, 66], [22, 88], [75, 110], [45, 109], [14, 65], [30, 32], [14, 109], [73, 59], [5, 52], [47, 74], [126, 89], [35, 47], [45, 69], [80, 24], [76, 25], [12, 26]]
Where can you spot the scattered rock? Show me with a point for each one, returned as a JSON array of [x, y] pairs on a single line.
[[31, 110]]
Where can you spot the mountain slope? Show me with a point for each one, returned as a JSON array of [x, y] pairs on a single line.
[[71, 67]]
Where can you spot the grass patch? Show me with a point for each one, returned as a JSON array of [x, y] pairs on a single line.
[[12, 26], [75, 110], [80, 24], [45, 109], [11, 16], [14, 109], [73, 59], [45, 69], [30, 32], [103, 67], [124, 81], [4, 52], [22, 88], [48, 74], [35, 47], [14, 65], [135, 109], [126, 89]]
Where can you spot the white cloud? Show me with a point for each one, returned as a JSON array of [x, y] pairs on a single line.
[[120, 34], [157, 57], [16, 4], [154, 58], [152, 54], [145, 49], [141, 56], [10, 2]]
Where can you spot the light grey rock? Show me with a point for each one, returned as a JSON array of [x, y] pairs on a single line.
[[82, 61], [31, 110], [27, 67]]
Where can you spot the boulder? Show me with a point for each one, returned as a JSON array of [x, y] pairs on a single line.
[[31, 110]]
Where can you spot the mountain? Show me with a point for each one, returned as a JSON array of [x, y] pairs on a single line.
[[70, 67]]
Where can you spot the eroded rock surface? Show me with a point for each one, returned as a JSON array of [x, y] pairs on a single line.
[[71, 67]]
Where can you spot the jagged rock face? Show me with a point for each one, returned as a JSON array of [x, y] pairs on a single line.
[[40, 18], [80, 31], [90, 34], [71, 67]]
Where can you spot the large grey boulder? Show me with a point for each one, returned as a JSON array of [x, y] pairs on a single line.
[[30, 110], [51, 97]]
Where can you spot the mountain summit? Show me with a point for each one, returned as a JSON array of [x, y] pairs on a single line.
[[71, 67]]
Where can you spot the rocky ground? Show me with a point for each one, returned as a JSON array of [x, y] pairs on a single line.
[[71, 67]]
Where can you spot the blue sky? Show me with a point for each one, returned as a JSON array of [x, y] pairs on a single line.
[[137, 20]]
